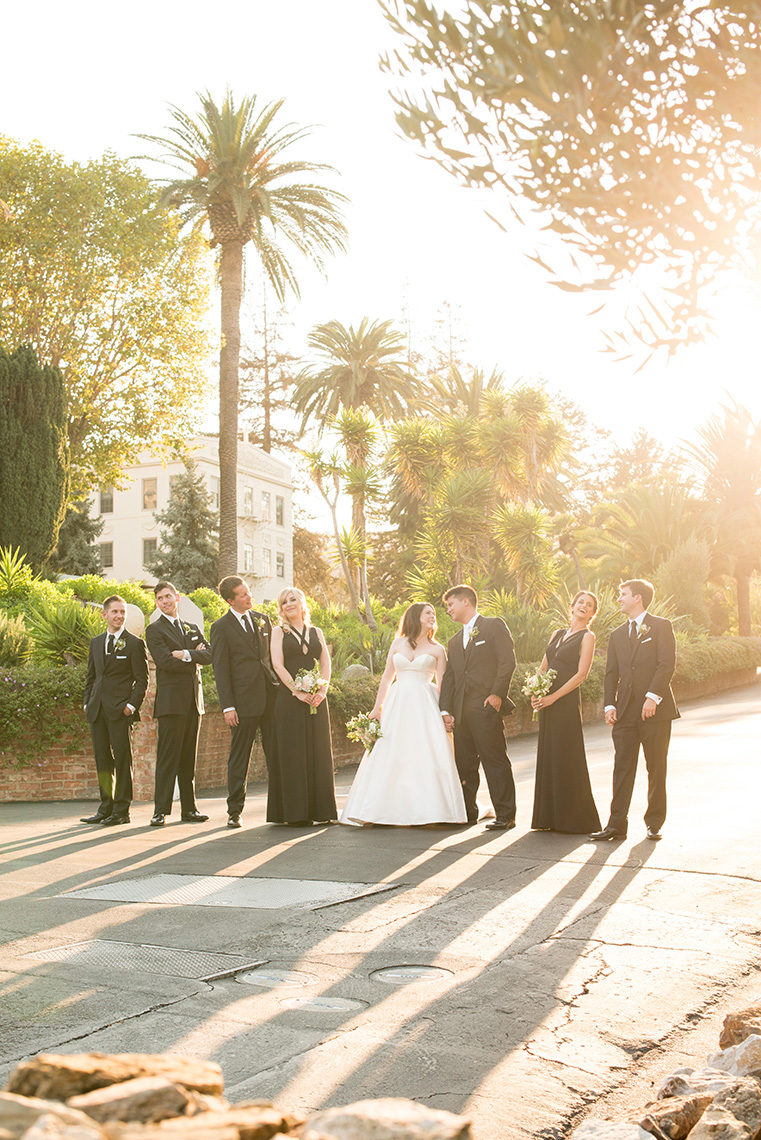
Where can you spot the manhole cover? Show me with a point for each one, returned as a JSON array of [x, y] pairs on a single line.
[[271, 978], [224, 890], [324, 1004], [402, 975], [151, 959]]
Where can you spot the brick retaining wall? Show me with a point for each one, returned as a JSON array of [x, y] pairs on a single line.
[[68, 773]]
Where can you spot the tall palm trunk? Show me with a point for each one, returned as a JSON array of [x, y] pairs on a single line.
[[231, 281], [359, 523]]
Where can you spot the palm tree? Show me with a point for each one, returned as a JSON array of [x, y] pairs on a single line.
[[236, 180], [728, 462], [359, 368]]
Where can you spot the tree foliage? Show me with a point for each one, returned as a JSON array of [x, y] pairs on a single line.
[[362, 368], [630, 128], [187, 554], [34, 459], [98, 280], [75, 552]]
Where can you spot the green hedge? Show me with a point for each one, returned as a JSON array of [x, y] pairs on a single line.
[[34, 703], [93, 588], [698, 659]]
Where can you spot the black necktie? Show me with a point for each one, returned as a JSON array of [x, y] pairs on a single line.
[[109, 644], [632, 634]]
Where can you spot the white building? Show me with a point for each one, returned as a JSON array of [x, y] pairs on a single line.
[[131, 534]]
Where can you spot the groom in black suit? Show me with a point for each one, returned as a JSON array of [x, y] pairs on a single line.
[[117, 678], [179, 650], [473, 701], [246, 681], [639, 706]]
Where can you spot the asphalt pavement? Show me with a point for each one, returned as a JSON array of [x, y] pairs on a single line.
[[525, 978]]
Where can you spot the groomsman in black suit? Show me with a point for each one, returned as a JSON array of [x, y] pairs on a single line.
[[179, 650], [117, 677], [240, 654], [473, 701], [639, 706]]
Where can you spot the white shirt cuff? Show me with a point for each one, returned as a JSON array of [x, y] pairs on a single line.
[[654, 697], [231, 709], [610, 708], [130, 707]]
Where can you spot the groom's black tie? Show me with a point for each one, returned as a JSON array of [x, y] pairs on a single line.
[[632, 634], [109, 644]]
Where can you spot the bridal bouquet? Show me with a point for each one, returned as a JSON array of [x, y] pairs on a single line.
[[309, 681], [538, 684], [364, 730]]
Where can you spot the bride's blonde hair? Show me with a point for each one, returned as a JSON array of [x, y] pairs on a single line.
[[410, 626]]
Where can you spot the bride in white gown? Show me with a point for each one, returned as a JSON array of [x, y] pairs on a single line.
[[409, 778]]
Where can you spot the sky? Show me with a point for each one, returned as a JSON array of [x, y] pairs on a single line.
[[85, 77]]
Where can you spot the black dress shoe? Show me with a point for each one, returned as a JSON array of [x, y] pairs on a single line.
[[193, 817], [158, 820], [653, 834], [607, 833], [234, 821], [112, 820], [500, 825], [94, 818]]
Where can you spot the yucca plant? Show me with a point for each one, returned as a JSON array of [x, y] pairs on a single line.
[[62, 632]]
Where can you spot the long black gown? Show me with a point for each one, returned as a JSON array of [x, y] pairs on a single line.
[[562, 792], [301, 787]]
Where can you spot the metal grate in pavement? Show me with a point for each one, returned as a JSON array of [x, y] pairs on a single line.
[[151, 959], [224, 890]]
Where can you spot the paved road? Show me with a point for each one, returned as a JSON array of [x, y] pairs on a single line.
[[569, 978]]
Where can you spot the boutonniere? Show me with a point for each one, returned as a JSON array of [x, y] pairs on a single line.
[[262, 623], [473, 634], [186, 628], [120, 644], [644, 631]]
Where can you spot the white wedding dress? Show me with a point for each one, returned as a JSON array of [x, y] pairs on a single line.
[[409, 778]]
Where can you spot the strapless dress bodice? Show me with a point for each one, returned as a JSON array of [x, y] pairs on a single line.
[[421, 668]]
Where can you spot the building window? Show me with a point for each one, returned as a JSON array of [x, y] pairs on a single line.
[[149, 550], [266, 501], [248, 500], [248, 557], [106, 555], [267, 563], [149, 494], [279, 510], [280, 564], [214, 484], [107, 501]]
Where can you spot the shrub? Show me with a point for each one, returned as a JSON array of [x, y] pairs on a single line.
[[33, 706], [15, 642], [210, 604], [19, 588], [62, 631], [348, 698], [92, 588], [698, 659]]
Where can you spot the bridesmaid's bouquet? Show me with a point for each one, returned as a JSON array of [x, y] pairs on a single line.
[[538, 684], [364, 730], [309, 681]]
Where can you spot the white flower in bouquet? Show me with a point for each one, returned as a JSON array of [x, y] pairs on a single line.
[[538, 684], [309, 681], [364, 730]]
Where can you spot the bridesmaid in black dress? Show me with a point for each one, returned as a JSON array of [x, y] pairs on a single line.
[[562, 793], [301, 788]]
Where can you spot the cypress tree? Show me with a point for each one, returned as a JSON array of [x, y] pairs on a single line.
[[34, 459]]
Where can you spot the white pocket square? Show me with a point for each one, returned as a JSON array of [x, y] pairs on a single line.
[[479, 643], [645, 640]]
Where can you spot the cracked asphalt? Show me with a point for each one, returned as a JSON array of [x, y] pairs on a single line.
[[570, 978]]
